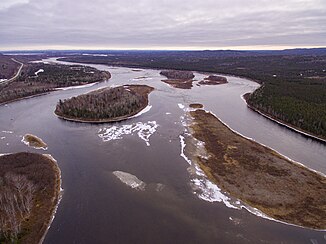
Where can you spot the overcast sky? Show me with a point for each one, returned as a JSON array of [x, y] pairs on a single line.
[[162, 24]]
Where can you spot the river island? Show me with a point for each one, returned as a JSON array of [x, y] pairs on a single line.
[[178, 78], [262, 178], [34, 141], [29, 195], [213, 80], [105, 105]]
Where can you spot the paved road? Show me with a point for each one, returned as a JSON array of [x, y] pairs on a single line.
[[16, 75]]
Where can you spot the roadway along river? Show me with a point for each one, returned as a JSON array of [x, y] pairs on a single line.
[[99, 207]]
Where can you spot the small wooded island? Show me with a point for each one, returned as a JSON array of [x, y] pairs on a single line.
[[105, 105], [259, 176], [213, 80], [29, 194], [178, 78]]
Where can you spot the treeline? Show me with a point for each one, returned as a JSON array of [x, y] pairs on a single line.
[[103, 104], [177, 74], [31, 82], [8, 67], [62, 75], [294, 84]]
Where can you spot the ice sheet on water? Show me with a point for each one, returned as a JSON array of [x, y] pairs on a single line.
[[116, 132], [130, 180]]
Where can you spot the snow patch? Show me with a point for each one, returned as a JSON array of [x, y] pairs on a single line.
[[75, 87], [116, 132], [39, 71]]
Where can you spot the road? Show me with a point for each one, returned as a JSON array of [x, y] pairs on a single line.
[[16, 75]]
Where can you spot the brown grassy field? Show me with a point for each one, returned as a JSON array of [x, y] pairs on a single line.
[[259, 176]]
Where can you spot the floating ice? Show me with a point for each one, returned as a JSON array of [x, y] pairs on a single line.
[[130, 180], [143, 130], [181, 106], [7, 132]]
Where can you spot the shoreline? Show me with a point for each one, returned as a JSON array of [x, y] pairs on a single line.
[[55, 199], [58, 195], [282, 123], [143, 109], [274, 172], [118, 119]]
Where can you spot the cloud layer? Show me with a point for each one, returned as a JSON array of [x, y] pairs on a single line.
[[161, 24]]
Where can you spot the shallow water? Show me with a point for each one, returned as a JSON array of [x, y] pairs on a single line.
[[98, 207]]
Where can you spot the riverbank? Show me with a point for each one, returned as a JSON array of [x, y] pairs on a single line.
[[282, 123], [130, 100], [37, 182], [259, 176]]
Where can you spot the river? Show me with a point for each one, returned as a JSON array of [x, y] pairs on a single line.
[[97, 207]]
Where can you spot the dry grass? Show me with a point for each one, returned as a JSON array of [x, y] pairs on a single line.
[[259, 176]]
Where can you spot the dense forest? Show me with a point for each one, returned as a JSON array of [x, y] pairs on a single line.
[[37, 78], [177, 74], [29, 192], [105, 104], [294, 82], [8, 67]]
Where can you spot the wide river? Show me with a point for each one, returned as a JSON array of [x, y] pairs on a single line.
[[97, 207]]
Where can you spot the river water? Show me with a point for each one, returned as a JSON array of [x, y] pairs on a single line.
[[98, 207]]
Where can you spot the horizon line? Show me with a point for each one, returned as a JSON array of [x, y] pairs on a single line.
[[235, 48]]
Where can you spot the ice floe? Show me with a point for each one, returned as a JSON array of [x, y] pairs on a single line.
[[181, 106], [130, 180], [116, 132], [7, 132]]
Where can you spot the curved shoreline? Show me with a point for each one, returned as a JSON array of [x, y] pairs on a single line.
[[268, 176], [282, 123], [118, 119], [144, 108], [58, 195]]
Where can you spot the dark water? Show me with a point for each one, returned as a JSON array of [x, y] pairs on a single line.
[[98, 208]]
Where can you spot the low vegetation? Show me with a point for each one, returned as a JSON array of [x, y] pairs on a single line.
[[105, 105], [259, 176], [29, 193], [34, 141]]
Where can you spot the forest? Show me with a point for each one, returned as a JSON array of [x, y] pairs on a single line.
[[105, 104], [294, 81], [38, 78], [28, 194]]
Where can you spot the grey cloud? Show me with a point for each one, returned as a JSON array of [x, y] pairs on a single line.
[[166, 23]]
